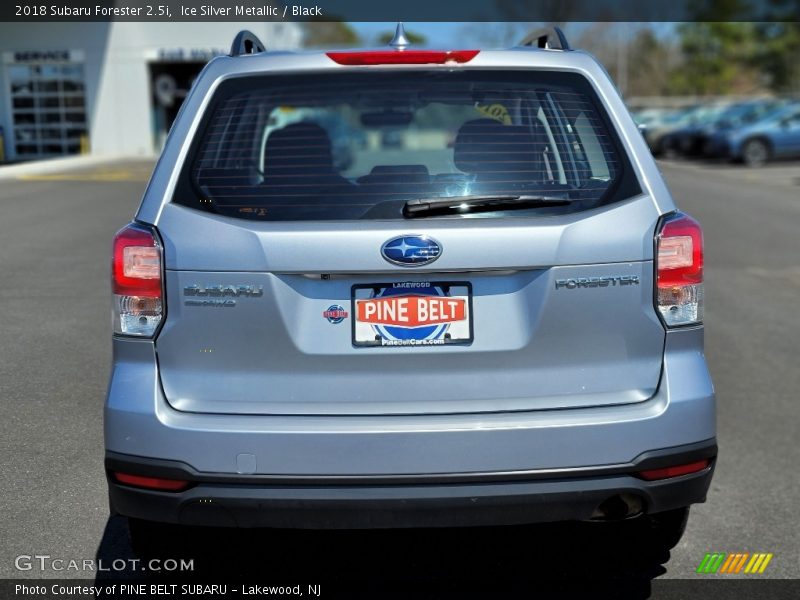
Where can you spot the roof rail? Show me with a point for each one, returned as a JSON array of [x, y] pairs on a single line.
[[246, 42], [548, 37]]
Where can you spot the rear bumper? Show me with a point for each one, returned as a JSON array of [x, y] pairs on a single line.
[[410, 470], [140, 422], [422, 501]]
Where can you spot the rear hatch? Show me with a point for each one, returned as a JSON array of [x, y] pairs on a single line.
[[407, 242]]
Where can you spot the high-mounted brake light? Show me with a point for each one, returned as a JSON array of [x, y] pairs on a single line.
[[151, 483], [136, 281], [679, 271], [403, 57]]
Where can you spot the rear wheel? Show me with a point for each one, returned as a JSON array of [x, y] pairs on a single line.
[[755, 153], [143, 536], [668, 150], [157, 540], [646, 538], [666, 529], [656, 533]]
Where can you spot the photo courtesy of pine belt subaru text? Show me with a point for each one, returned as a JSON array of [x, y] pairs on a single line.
[[407, 288]]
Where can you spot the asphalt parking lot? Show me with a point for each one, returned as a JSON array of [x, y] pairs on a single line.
[[56, 230]]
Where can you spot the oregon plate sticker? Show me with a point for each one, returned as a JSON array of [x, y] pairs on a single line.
[[412, 313]]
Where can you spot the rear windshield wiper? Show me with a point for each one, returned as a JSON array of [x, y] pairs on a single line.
[[466, 204]]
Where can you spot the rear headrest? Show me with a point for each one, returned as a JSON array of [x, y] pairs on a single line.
[[489, 148], [397, 174], [298, 148]]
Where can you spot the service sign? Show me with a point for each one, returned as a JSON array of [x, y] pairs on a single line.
[[412, 313]]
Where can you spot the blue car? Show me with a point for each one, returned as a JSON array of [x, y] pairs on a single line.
[[775, 136], [692, 140], [684, 139], [657, 130]]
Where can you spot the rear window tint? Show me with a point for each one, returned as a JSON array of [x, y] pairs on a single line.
[[360, 145]]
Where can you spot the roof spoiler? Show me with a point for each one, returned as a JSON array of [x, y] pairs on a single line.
[[551, 38], [246, 42]]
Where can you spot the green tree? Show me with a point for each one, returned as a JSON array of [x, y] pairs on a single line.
[[329, 33], [648, 59], [778, 54], [416, 39], [718, 59]]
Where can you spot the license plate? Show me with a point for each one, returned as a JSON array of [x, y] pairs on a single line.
[[412, 313]]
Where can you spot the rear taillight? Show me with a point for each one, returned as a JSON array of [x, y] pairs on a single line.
[[679, 271], [136, 281], [403, 57]]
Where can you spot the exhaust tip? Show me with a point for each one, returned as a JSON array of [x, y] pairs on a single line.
[[619, 507]]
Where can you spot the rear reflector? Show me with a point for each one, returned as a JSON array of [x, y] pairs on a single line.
[[136, 281], [151, 483], [667, 472], [679, 271], [403, 57]]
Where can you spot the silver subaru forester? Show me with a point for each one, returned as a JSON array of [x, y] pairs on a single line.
[[407, 288]]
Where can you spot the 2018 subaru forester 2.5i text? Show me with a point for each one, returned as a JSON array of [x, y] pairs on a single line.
[[490, 313]]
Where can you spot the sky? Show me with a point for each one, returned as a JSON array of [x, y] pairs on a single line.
[[436, 34], [457, 34]]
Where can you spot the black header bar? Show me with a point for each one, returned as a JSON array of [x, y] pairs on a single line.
[[538, 11]]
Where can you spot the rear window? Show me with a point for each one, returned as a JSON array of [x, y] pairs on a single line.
[[361, 145]]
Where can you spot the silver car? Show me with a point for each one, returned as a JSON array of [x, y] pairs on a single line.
[[490, 313]]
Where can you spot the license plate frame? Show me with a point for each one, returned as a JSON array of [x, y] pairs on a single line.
[[447, 330]]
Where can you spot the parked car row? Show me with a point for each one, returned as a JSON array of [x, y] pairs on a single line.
[[750, 131]]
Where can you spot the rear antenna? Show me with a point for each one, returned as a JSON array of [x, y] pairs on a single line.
[[400, 41]]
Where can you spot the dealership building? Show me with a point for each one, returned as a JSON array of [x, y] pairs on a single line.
[[109, 88]]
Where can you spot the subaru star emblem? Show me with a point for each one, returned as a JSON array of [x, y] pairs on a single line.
[[411, 250]]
